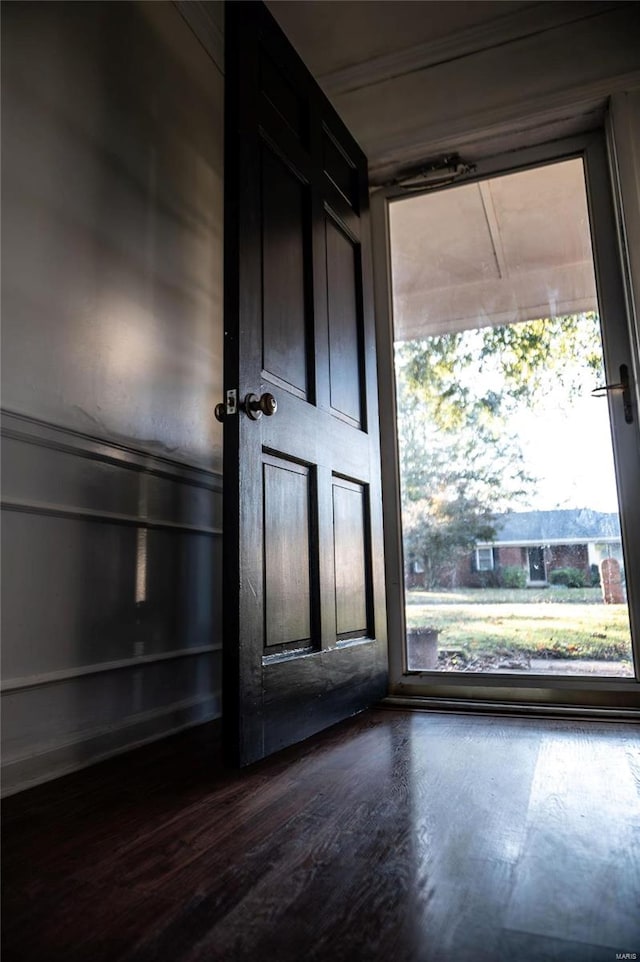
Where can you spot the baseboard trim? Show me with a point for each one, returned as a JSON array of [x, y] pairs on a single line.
[[21, 773], [466, 706]]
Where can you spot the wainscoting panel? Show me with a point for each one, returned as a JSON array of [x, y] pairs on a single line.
[[111, 598]]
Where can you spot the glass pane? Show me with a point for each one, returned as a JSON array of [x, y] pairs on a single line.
[[511, 529]]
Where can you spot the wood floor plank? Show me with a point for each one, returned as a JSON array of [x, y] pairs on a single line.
[[407, 836], [578, 877], [539, 948]]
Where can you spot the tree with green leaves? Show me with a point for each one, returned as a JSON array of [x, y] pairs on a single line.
[[460, 465]]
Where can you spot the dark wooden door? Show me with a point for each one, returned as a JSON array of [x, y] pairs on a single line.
[[305, 623], [536, 564]]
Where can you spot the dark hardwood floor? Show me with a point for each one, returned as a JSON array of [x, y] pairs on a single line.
[[396, 835]]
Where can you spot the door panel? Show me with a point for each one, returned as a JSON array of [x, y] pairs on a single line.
[[305, 641], [340, 170], [350, 552], [284, 237], [287, 535], [344, 324]]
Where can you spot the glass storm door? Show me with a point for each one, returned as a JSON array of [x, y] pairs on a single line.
[[517, 427]]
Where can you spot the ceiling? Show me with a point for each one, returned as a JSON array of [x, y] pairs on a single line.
[[331, 35], [415, 79], [513, 248]]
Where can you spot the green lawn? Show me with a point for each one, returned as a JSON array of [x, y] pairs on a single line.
[[539, 623]]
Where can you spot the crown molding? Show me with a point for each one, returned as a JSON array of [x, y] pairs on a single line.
[[206, 20], [516, 25], [566, 110]]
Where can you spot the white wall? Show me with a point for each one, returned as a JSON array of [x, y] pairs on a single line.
[[112, 189]]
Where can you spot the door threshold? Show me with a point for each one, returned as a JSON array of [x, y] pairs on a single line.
[[466, 706]]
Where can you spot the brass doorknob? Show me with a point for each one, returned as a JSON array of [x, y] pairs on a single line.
[[254, 406]]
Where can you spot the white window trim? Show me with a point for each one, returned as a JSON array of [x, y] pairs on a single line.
[[479, 565]]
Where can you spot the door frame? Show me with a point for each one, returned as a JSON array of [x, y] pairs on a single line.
[[492, 691]]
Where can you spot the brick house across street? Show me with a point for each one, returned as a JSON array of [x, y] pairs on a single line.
[[540, 542], [537, 542]]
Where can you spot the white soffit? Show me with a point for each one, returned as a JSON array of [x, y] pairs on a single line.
[[513, 248]]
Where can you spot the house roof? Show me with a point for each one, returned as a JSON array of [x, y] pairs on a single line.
[[568, 525]]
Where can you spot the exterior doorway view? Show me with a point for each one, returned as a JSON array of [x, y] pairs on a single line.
[[511, 524]]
